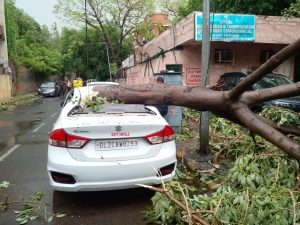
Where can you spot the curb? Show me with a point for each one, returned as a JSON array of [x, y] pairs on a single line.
[[5, 103]]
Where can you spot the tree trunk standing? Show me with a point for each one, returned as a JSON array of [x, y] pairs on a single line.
[[233, 105]]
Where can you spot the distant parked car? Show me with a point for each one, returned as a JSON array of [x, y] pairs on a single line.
[[49, 88], [230, 80], [115, 146]]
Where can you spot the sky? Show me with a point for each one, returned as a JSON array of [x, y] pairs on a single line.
[[40, 10]]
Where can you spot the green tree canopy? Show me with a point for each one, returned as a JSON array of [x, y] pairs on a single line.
[[293, 10], [89, 61], [29, 43], [115, 20], [270, 7]]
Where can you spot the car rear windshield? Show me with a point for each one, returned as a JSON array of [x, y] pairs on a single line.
[[271, 81], [48, 84], [116, 109], [122, 108]]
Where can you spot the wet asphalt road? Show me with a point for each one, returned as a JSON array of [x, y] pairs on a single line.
[[24, 133]]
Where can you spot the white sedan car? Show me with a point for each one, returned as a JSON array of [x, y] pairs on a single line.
[[117, 146]]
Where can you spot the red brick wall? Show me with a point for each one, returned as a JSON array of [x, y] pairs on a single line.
[[25, 81]]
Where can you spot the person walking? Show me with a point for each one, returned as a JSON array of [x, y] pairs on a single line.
[[69, 85], [61, 89]]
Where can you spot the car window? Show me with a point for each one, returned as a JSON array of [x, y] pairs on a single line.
[[230, 82], [68, 98], [48, 84], [271, 81]]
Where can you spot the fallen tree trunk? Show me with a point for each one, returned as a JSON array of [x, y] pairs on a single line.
[[233, 105]]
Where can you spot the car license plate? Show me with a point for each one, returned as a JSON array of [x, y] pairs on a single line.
[[118, 144]]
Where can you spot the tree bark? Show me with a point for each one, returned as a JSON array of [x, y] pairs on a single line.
[[234, 105]]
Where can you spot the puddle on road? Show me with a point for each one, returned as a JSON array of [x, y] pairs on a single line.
[[22, 128], [6, 123], [7, 143]]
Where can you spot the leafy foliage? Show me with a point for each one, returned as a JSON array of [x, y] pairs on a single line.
[[32, 208], [18, 100], [189, 117], [4, 184], [256, 183], [273, 7], [29, 43], [114, 20], [293, 10], [171, 8], [94, 103], [281, 116]]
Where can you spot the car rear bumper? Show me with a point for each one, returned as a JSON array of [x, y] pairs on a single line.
[[97, 176], [52, 94]]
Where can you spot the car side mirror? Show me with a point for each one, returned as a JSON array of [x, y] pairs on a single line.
[[61, 104]]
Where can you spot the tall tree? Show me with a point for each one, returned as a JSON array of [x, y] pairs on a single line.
[[171, 7], [105, 15], [29, 43], [75, 52]]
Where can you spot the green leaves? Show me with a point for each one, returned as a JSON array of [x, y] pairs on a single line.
[[253, 187], [31, 44], [293, 10], [281, 116], [94, 103], [32, 209], [4, 184]]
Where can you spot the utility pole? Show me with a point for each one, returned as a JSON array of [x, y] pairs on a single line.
[[204, 120], [86, 40], [3, 39]]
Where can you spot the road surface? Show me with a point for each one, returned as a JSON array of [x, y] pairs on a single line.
[[24, 133]]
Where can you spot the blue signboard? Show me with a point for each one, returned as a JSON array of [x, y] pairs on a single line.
[[227, 27]]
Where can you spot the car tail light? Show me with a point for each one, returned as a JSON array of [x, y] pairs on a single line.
[[60, 138], [165, 135]]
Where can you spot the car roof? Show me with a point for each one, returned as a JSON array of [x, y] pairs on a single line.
[[101, 83], [234, 74], [88, 90], [49, 81]]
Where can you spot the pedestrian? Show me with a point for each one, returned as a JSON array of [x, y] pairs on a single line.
[[69, 85], [61, 89]]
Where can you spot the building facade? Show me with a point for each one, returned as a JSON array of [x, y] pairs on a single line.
[[176, 49], [5, 78]]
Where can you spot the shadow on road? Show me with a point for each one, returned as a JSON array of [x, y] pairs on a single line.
[[106, 208]]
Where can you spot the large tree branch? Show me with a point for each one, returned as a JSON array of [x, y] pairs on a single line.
[[250, 120], [171, 95], [282, 91], [271, 64], [283, 129]]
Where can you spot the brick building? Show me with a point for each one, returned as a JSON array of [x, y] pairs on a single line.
[[176, 49]]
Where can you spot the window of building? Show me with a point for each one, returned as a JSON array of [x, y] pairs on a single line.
[[174, 67], [224, 56], [266, 55]]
